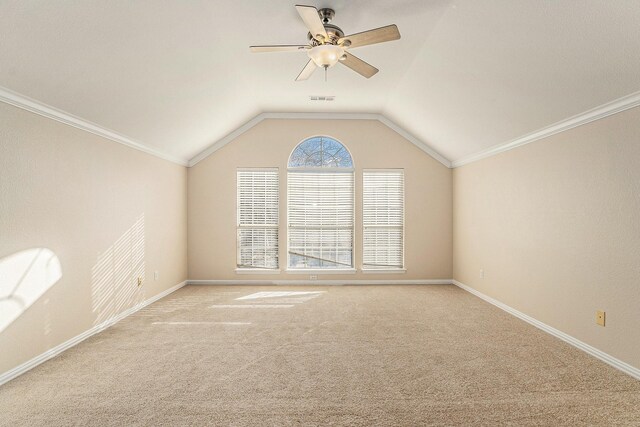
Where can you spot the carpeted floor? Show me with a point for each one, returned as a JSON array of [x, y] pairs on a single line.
[[352, 355]]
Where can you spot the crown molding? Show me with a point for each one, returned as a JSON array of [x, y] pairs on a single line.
[[17, 100], [621, 104], [317, 116], [608, 109], [415, 141]]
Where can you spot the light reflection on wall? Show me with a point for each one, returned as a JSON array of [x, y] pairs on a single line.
[[114, 277], [24, 277]]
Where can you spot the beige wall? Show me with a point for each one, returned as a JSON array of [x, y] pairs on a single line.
[[109, 213], [556, 227], [212, 195]]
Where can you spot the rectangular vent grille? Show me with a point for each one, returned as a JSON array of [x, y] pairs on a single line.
[[322, 98]]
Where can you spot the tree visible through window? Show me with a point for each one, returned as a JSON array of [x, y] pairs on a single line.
[[320, 152], [320, 205]]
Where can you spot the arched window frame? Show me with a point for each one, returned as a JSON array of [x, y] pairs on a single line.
[[294, 171], [316, 167]]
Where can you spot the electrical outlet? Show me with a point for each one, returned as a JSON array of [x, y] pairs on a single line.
[[600, 317], [140, 281], [482, 273], [156, 275], [313, 277]]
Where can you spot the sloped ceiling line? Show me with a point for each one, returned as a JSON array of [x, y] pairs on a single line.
[[605, 110], [42, 109], [37, 107], [318, 116]]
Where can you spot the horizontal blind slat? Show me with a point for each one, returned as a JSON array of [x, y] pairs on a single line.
[[320, 217], [258, 211], [383, 219]]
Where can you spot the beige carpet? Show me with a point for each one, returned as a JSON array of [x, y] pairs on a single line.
[[353, 355]]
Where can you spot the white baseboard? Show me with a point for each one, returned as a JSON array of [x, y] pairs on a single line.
[[294, 282], [21, 369], [607, 358]]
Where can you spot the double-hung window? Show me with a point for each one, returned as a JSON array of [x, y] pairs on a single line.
[[320, 211], [257, 226], [383, 219]]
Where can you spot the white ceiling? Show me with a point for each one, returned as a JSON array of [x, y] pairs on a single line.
[[178, 75]]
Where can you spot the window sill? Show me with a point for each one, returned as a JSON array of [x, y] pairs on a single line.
[[321, 271], [383, 271], [256, 271]]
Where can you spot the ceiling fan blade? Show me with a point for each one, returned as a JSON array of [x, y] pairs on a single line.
[[311, 18], [359, 66], [277, 48], [307, 71], [379, 35]]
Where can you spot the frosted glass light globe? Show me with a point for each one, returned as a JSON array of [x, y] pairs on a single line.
[[325, 55]]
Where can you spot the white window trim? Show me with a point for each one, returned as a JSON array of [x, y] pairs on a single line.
[[321, 271], [383, 271], [254, 270], [399, 270], [311, 169], [257, 271], [353, 234]]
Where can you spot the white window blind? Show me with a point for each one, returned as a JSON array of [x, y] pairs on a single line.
[[320, 219], [383, 219], [257, 218]]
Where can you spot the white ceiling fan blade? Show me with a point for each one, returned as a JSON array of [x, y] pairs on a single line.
[[311, 18], [278, 48], [379, 35], [359, 66], [307, 71]]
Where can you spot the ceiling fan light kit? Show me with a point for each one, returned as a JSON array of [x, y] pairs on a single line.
[[328, 45], [325, 55]]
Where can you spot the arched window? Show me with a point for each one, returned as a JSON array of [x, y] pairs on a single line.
[[320, 152], [320, 200]]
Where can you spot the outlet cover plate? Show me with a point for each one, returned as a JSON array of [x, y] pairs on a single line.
[[600, 317]]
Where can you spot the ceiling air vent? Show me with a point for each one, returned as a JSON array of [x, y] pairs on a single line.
[[322, 98]]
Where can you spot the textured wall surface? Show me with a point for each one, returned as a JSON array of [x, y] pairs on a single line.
[[212, 195], [555, 225], [81, 218]]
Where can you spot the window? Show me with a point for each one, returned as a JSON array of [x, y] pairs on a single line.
[[320, 212], [257, 219], [383, 219]]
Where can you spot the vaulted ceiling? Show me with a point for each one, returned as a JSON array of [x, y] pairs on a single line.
[[177, 76]]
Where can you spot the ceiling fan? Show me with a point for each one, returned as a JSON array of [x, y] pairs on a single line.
[[328, 45]]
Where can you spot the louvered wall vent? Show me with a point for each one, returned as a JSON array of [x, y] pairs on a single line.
[[322, 98]]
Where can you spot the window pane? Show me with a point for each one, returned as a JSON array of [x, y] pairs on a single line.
[[320, 205], [258, 248], [383, 219], [320, 152], [257, 218]]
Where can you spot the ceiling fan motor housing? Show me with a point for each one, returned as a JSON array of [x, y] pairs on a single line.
[[327, 44], [326, 15], [334, 32]]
